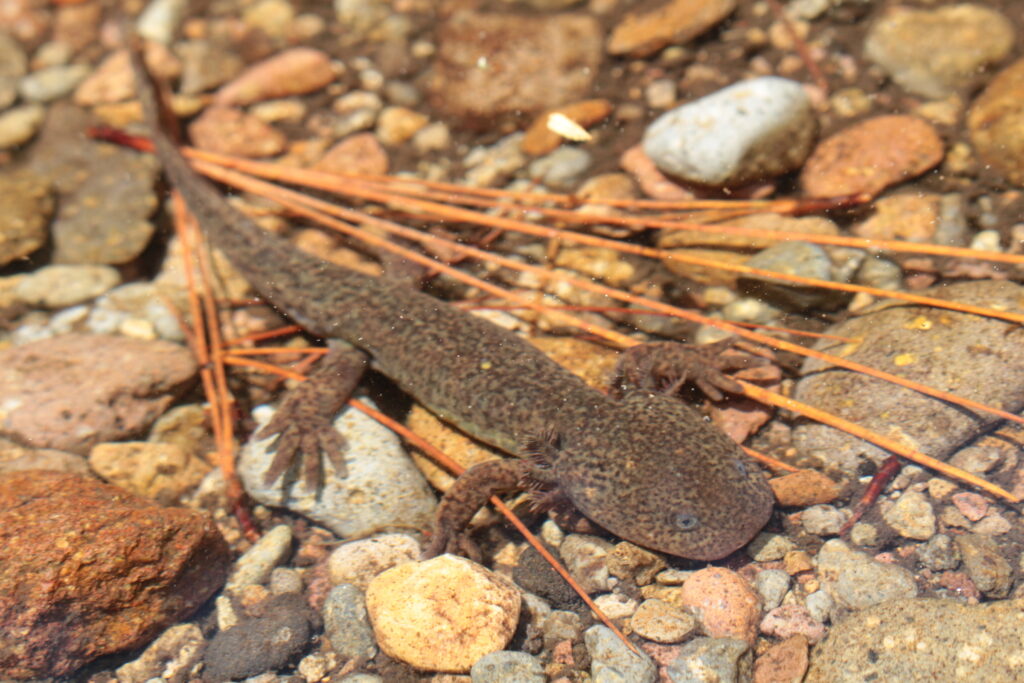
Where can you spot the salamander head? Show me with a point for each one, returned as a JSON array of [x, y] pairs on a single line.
[[657, 474]]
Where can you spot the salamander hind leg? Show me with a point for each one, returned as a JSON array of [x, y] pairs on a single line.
[[303, 424], [666, 366]]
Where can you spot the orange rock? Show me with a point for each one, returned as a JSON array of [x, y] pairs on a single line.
[[360, 153], [803, 488], [539, 139], [870, 156], [785, 661], [646, 31], [296, 71], [912, 217], [726, 604], [996, 123], [652, 182], [232, 131]]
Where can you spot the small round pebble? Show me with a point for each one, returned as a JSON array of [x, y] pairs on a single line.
[[939, 553], [985, 564], [912, 516], [726, 604], [703, 660], [359, 561], [996, 123], [772, 584], [347, 624], [504, 666], [767, 547], [820, 604], [612, 661], [442, 614], [790, 620], [823, 520], [748, 131], [19, 124], [585, 558], [855, 580], [58, 286], [254, 567], [661, 622], [803, 489]]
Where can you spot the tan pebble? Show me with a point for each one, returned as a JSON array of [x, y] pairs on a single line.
[[160, 471], [803, 488], [232, 131], [359, 153], [996, 123], [540, 139], [296, 71], [453, 443], [396, 125], [662, 622], [783, 662], [911, 217], [726, 604], [870, 156], [797, 561], [627, 561], [647, 30], [112, 81], [442, 614], [360, 561]]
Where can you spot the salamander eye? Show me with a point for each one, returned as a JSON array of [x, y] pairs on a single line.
[[686, 522]]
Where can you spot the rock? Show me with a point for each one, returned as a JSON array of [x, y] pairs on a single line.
[[443, 614], [232, 131], [985, 564], [253, 568], [140, 306], [562, 169], [358, 562], [797, 258], [396, 125], [295, 71], [158, 471], [360, 153], [709, 660], [52, 83], [347, 623], [995, 122], [586, 559], [172, 657], [971, 505], [823, 520], [803, 489], [382, 488], [936, 52], [790, 620], [937, 348], [643, 32], [725, 603], [267, 641], [26, 204], [856, 581], [612, 661], [17, 458], [752, 130], [502, 667], [532, 63], [772, 585], [870, 156], [768, 547], [19, 124], [94, 569], [785, 661], [160, 20], [206, 65], [917, 217], [922, 640], [62, 286], [661, 622], [540, 139], [13, 65], [634, 564], [113, 81], [73, 392], [939, 553], [912, 516]]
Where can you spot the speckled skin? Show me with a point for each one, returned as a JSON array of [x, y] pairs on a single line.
[[646, 467]]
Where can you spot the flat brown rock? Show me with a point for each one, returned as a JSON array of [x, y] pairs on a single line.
[[87, 569]]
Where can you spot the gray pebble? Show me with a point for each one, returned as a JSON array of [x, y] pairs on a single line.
[[820, 604], [823, 520], [879, 272], [855, 580], [562, 169], [561, 625], [802, 259], [939, 553], [59, 286], [347, 624], [492, 166], [170, 658], [864, 534], [52, 83], [751, 130], [285, 580], [912, 516], [712, 660], [772, 584], [768, 547], [985, 564], [613, 662], [507, 667], [586, 559], [383, 488], [253, 568], [139, 302]]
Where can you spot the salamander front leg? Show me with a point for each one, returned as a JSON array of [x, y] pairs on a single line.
[[303, 424]]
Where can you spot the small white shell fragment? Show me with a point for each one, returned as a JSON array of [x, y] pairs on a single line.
[[560, 124]]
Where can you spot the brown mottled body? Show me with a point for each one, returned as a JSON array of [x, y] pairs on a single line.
[[645, 466]]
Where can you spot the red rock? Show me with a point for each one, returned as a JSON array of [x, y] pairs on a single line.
[[803, 489], [646, 31], [232, 131], [790, 620], [87, 569], [725, 603], [75, 391], [296, 71], [785, 661], [870, 156], [971, 505]]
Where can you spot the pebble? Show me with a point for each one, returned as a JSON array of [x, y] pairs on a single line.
[[206, 65], [112, 80], [358, 562], [823, 520], [934, 348], [661, 622], [856, 581], [443, 614], [985, 564], [917, 217], [59, 286], [939, 553], [995, 123], [119, 568], [138, 305], [785, 661], [643, 32], [561, 625], [52, 83], [726, 604], [870, 156], [540, 139], [492, 166], [790, 620], [803, 489], [75, 391], [767, 547], [880, 273], [433, 137], [586, 559], [772, 585], [26, 204], [798, 258], [923, 640], [912, 516], [265, 642], [710, 660], [562, 169], [232, 131], [611, 661], [864, 534], [295, 71], [820, 604], [19, 124], [171, 657], [159, 20], [359, 153], [158, 471], [507, 667], [13, 65], [492, 64], [396, 125], [253, 568], [347, 623], [936, 52], [616, 605], [633, 563], [752, 130], [17, 458], [382, 488]]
